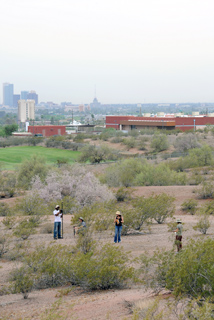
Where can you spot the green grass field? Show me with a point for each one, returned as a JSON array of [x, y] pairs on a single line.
[[12, 157]]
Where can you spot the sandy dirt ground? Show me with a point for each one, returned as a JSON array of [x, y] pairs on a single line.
[[99, 305]]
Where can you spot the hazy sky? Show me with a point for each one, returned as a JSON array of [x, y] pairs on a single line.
[[134, 51]]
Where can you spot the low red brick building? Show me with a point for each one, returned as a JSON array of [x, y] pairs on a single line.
[[47, 131], [168, 122]]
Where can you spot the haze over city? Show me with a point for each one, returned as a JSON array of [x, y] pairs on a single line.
[[132, 51]]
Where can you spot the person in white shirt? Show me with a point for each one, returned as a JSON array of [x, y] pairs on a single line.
[[57, 222]]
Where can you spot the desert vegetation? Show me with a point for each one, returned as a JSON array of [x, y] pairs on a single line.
[[90, 261]]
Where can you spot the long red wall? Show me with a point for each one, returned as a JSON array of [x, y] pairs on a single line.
[[183, 123]]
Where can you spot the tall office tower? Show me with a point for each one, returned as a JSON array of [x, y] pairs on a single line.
[[24, 95], [26, 110], [32, 95], [8, 94], [16, 98]]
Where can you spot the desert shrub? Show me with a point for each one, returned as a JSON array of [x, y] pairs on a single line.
[[123, 173], [203, 223], [201, 156], [159, 175], [206, 191], [95, 154], [183, 309], [47, 228], [79, 137], [31, 168], [107, 133], [129, 142], [138, 172], [159, 142], [123, 194], [22, 281], [32, 204], [104, 268], [81, 186], [162, 206], [141, 144], [17, 251], [189, 206], [197, 157], [4, 245], [33, 141], [24, 229], [9, 222], [7, 184], [185, 142], [85, 242], [117, 139], [157, 207], [4, 209], [188, 273], [209, 207], [195, 178]]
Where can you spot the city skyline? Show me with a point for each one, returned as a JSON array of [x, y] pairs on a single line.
[[133, 51]]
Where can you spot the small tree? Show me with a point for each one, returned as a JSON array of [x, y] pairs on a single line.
[[189, 206], [22, 281], [185, 142], [159, 142], [203, 223], [206, 190], [24, 229], [31, 168]]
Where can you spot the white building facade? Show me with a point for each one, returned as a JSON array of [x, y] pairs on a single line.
[[26, 110]]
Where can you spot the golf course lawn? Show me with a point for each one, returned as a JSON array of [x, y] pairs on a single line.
[[12, 157]]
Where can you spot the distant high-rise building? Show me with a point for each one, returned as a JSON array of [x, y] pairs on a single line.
[[16, 98], [8, 94], [24, 95], [81, 108], [26, 110], [32, 95]]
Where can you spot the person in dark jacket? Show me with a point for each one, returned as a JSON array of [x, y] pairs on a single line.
[[118, 226]]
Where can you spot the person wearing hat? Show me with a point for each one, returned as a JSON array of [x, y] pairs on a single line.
[[178, 237], [118, 226], [81, 226], [57, 222]]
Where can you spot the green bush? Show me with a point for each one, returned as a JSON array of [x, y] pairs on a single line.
[[31, 168], [31, 205], [159, 142], [206, 191], [4, 209], [22, 282], [47, 228], [3, 245], [9, 222], [24, 229], [95, 154], [123, 194], [129, 142], [203, 223], [157, 207], [104, 268], [188, 273], [138, 172], [189, 206]]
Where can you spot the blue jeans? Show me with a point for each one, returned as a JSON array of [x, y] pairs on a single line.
[[57, 230], [118, 230]]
